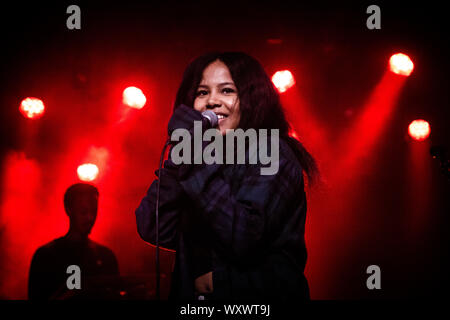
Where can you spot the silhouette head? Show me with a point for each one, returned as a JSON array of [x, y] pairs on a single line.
[[80, 204]]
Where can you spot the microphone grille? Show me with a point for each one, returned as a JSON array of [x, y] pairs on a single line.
[[212, 117]]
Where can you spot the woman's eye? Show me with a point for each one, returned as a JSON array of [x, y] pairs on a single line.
[[228, 90], [202, 92]]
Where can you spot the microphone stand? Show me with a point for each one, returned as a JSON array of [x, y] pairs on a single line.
[[158, 295]]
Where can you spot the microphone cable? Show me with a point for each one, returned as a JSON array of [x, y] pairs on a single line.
[[158, 295]]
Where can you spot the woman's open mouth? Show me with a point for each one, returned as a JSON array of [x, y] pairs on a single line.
[[221, 117]]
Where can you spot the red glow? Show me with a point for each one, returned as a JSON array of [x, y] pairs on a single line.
[[360, 140], [283, 80], [419, 188], [401, 64], [87, 172], [419, 130], [32, 108], [293, 134], [20, 205], [134, 97]]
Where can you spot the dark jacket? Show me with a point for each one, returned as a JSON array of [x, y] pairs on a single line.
[[48, 270], [246, 227]]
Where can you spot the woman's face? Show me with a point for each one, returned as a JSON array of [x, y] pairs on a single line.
[[217, 92]]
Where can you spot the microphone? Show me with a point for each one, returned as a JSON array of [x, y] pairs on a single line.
[[210, 119]]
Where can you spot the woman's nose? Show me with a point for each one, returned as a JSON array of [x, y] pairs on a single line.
[[213, 102], [213, 106]]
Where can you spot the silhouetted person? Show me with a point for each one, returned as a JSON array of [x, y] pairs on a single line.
[[48, 271]]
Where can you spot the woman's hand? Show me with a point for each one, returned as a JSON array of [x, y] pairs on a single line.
[[183, 117], [204, 283]]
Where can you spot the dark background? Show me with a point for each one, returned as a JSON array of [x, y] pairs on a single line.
[[337, 63]]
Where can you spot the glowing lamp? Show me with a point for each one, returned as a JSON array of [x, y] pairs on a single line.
[[419, 130], [87, 172], [134, 97], [283, 80], [32, 108], [401, 64]]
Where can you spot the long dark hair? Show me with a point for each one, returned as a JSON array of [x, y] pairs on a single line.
[[259, 101]]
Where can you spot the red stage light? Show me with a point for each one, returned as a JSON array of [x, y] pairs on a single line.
[[283, 80], [32, 108], [87, 172], [401, 64], [134, 97], [419, 130]]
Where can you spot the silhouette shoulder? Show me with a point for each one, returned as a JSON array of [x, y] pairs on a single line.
[[100, 247], [49, 247]]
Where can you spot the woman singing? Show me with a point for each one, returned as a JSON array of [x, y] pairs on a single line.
[[238, 234]]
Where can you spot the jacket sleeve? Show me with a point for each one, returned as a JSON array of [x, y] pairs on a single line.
[[169, 201], [240, 219]]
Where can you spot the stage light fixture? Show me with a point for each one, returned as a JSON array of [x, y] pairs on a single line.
[[32, 108], [419, 130], [87, 172], [283, 80], [401, 64], [134, 98]]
